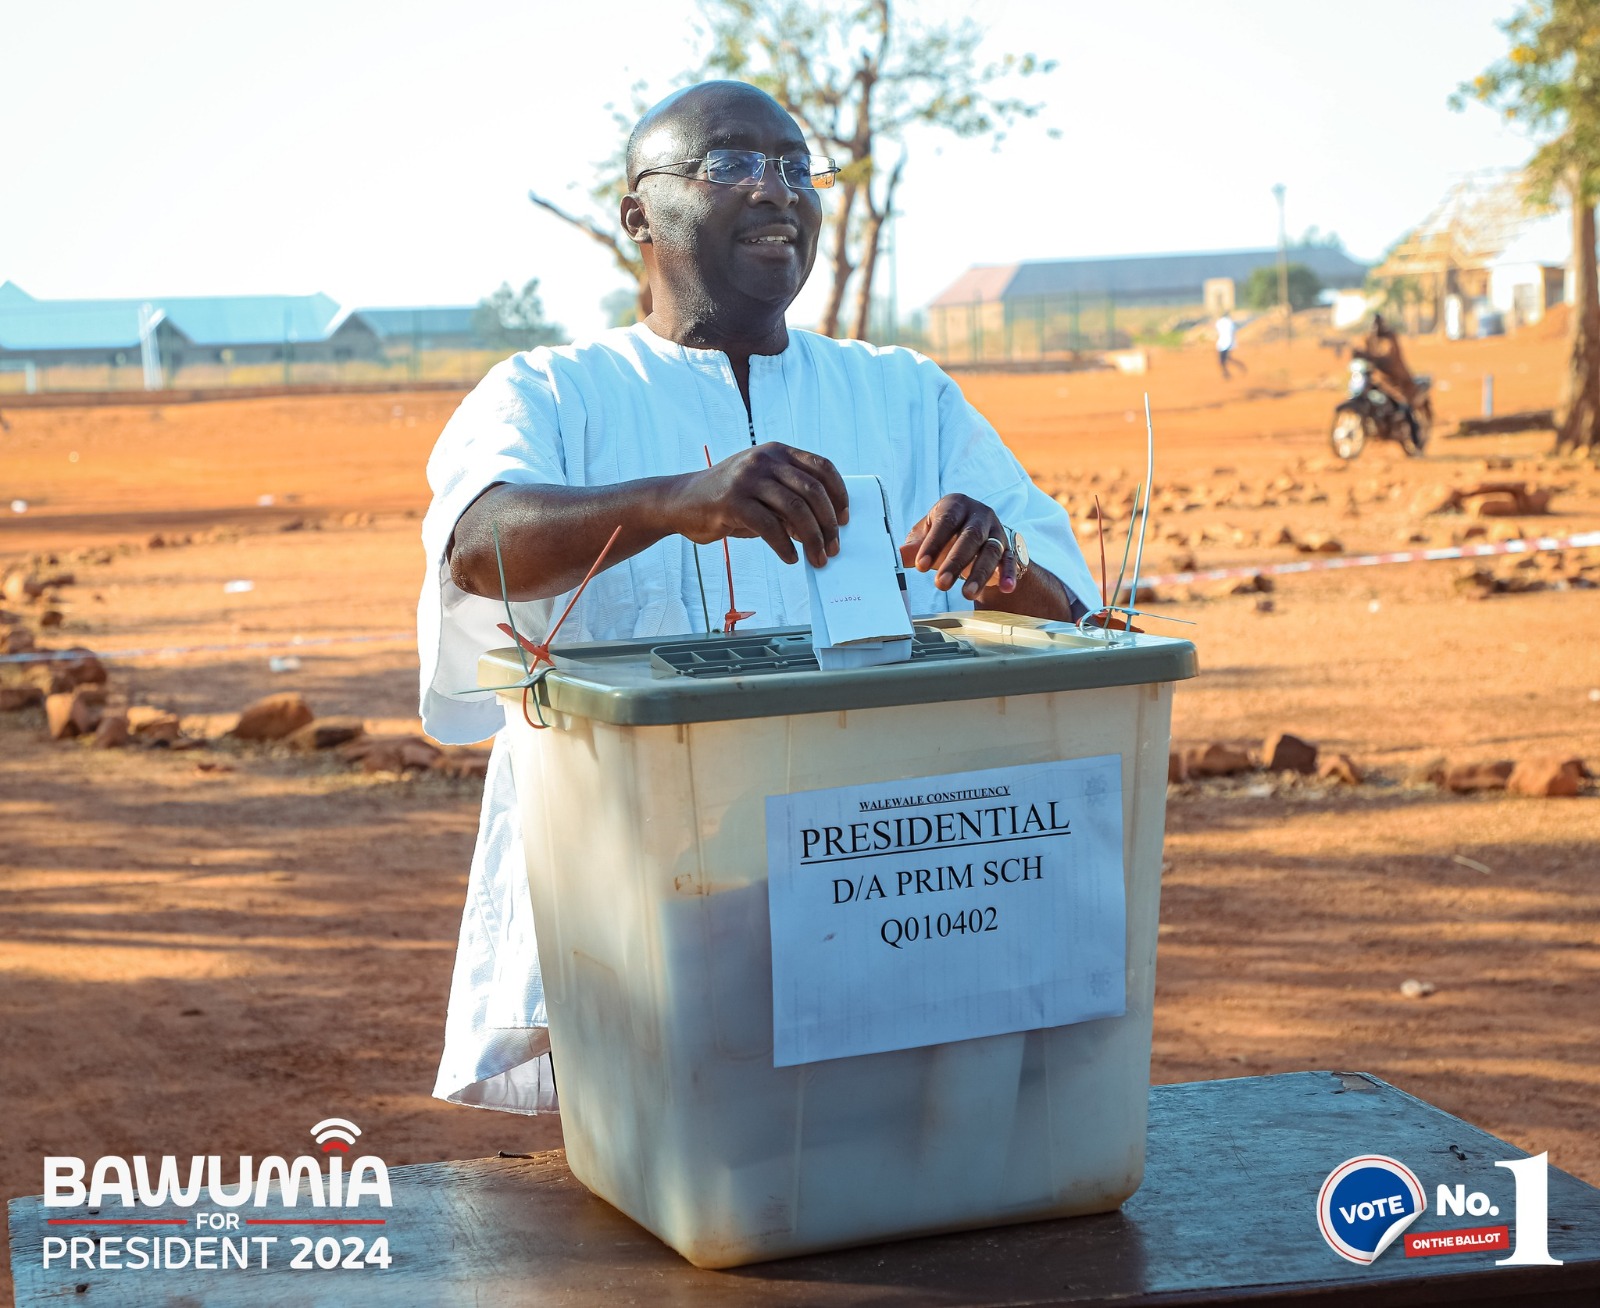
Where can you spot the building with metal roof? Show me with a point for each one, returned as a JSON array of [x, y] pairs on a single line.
[[168, 332], [1040, 307]]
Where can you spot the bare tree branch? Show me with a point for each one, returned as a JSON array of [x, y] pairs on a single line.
[[622, 252]]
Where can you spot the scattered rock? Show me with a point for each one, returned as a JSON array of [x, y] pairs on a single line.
[[1285, 753], [1495, 506], [391, 753], [325, 733], [153, 726], [20, 586], [1474, 583], [1414, 989], [1177, 770], [15, 698], [1431, 772], [464, 764], [1435, 499], [76, 713], [273, 717], [51, 618], [1341, 768], [1216, 760], [1546, 777], [16, 640], [1465, 778], [1255, 585], [112, 732], [1320, 543], [82, 669], [1504, 499]]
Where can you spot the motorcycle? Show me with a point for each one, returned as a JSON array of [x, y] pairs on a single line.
[[1370, 414]]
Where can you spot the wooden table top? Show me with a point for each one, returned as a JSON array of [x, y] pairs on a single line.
[[1226, 1215]]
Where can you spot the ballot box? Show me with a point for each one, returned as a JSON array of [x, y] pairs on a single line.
[[836, 957]]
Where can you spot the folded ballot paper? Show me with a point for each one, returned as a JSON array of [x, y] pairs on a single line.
[[860, 614]]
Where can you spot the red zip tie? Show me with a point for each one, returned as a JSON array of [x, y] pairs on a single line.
[[541, 652], [733, 616], [1100, 530]]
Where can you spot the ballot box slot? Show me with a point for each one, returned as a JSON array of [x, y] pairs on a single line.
[[709, 657]]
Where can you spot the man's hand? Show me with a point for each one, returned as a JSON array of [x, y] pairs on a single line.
[[962, 538], [783, 495]]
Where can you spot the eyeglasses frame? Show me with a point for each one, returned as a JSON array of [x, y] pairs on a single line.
[[830, 173]]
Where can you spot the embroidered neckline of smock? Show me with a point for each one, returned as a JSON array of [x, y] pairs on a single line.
[[692, 354]]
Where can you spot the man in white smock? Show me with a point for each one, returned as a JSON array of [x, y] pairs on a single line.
[[558, 447]]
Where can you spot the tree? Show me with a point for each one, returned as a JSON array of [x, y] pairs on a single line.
[[1261, 291], [514, 320], [1549, 82], [606, 195], [856, 78]]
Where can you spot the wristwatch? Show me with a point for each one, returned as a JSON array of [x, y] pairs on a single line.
[[1018, 548]]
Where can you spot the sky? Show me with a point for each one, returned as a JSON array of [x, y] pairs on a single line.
[[382, 152]]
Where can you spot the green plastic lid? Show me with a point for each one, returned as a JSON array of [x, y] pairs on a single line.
[[771, 672]]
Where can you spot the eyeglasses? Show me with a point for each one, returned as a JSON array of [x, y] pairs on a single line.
[[800, 172]]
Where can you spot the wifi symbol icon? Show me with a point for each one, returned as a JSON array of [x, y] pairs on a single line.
[[335, 1133]]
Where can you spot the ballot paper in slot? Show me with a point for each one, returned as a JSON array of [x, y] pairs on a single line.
[[860, 613]]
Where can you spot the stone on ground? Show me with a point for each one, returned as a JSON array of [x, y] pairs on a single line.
[[1546, 777], [112, 733], [1464, 778], [74, 713], [273, 717], [1285, 753], [1216, 760], [1341, 768], [13, 698], [326, 733]]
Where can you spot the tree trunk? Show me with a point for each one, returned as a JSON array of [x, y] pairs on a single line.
[[1580, 423], [870, 237], [828, 325]]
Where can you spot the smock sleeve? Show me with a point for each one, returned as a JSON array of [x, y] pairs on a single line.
[[507, 430]]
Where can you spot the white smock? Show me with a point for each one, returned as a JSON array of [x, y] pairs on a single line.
[[625, 406]]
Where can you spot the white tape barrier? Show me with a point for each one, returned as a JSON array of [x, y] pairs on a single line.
[[1529, 545]]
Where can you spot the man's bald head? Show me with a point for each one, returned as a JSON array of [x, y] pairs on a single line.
[[675, 128]]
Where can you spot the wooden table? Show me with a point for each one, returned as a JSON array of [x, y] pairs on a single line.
[[1226, 1215]]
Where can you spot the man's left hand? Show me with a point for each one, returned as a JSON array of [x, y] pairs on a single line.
[[962, 538]]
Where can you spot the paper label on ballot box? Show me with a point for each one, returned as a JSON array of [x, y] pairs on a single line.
[[922, 911]]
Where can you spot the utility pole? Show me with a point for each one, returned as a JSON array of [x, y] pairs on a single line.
[[1283, 267]]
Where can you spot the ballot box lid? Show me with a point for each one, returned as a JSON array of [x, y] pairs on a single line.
[[772, 671]]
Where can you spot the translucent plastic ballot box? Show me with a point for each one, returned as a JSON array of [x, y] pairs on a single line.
[[838, 957]]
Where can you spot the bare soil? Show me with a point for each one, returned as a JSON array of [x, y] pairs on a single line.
[[208, 951]]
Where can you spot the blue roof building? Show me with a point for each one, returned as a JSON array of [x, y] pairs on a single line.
[[199, 328]]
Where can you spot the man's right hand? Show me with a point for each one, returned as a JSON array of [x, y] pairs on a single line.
[[782, 495]]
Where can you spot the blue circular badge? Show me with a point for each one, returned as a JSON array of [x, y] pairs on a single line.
[[1365, 1205]]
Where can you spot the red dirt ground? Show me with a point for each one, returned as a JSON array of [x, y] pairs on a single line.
[[211, 961]]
